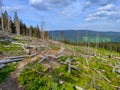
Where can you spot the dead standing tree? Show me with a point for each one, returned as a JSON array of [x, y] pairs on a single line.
[[9, 25], [42, 29], [2, 23], [17, 24]]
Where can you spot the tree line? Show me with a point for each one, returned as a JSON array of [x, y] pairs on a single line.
[[16, 26], [112, 46]]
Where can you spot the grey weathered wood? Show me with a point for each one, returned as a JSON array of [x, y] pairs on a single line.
[[59, 56], [43, 59], [78, 88], [26, 50], [2, 66], [102, 75], [69, 66], [9, 61], [87, 61], [23, 56], [67, 60], [118, 71], [52, 56], [75, 68], [61, 50], [15, 59], [19, 43]]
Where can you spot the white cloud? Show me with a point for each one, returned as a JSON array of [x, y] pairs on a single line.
[[108, 13], [13, 8], [50, 4], [107, 7], [68, 14], [90, 3], [91, 18]]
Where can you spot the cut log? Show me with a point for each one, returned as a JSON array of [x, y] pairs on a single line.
[[26, 50], [69, 66], [66, 61], [118, 87], [78, 88], [19, 43], [118, 71], [75, 68], [102, 75], [87, 61], [52, 56], [9, 61], [61, 50], [2, 66], [24, 56], [43, 59], [59, 56], [27, 45]]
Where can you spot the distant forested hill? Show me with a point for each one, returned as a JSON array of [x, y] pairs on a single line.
[[85, 35]]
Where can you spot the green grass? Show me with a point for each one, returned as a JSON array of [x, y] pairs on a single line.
[[5, 72], [88, 78], [11, 49]]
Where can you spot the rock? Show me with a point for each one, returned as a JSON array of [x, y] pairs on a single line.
[[78, 88], [2, 66], [118, 71], [117, 88], [61, 82]]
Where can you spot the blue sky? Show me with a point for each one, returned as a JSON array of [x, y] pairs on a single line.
[[99, 15]]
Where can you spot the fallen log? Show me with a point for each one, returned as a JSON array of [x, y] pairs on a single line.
[[102, 75], [19, 43], [27, 45], [69, 66], [115, 86], [75, 68], [24, 56], [118, 71], [59, 56], [26, 50], [2, 66], [52, 56], [43, 59], [87, 61], [61, 50], [9, 61]]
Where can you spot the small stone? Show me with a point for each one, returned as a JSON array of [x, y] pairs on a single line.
[[78, 88], [61, 82], [118, 71]]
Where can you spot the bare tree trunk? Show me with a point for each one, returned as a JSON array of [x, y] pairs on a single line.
[[17, 24], [18, 27], [2, 23], [42, 28], [9, 25]]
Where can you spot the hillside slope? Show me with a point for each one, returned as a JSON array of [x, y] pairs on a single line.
[[85, 35]]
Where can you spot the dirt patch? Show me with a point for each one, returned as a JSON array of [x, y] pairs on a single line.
[[50, 52]]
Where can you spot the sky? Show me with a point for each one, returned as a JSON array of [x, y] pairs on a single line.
[[98, 15]]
